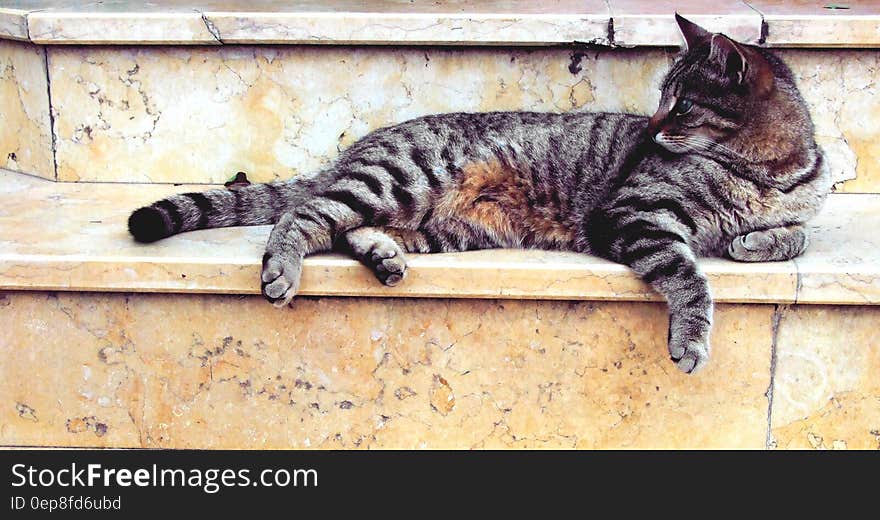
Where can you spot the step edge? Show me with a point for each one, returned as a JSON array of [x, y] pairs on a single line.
[[206, 27], [428, 277]]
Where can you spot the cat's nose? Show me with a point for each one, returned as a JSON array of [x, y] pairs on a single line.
[[655, 122], [660, 116]]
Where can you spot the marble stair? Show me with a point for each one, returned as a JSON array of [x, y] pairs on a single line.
[[104, 342]]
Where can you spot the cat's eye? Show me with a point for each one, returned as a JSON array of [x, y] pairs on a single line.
[[683, 107]]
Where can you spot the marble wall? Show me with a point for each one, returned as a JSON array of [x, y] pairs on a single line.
[[232, 372], [841, 87], [25, 128], [201, 114], [826, 391]]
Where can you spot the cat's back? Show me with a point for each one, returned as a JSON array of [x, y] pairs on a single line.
[[476, 127], [582, 145]]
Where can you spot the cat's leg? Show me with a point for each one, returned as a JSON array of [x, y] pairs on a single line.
[[315, 227], [310, 228], [379, 251], [413, 240], [769, 245], [671, 269], [659, 254], [382, 249], [288, 244]]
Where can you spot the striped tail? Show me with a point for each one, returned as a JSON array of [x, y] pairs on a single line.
[[254, 205]]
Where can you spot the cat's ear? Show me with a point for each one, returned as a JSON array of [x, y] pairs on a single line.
[[729, 58], [741, 64], [693, 34]]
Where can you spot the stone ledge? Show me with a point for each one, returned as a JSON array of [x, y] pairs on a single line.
[[801, 23], [13, 24], [521, 22], [72, 237], [650, 23]]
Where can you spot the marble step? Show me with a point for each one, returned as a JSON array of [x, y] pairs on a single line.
[[456, 22], [106, 343], [73, 237]]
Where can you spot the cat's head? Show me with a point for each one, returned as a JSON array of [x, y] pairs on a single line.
[[723, 92]]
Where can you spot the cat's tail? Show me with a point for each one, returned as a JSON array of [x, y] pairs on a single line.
[[253, 205]]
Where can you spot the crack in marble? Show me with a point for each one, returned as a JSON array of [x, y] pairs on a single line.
[[776, 319], [210, 26], [25, 137], [765, 28], [52, 136]]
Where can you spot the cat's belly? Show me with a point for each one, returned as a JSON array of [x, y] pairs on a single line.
[[497, 201]]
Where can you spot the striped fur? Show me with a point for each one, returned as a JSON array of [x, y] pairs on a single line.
[[727, 166]]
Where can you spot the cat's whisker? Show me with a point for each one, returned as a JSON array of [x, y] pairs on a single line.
[[707, 144]]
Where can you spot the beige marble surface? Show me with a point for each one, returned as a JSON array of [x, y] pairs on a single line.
[[13, 23], [846, 268], [826, 393], [231, 372], [841, 90], [25, 130], [200, 115], [496, 22], [651, 23], [114, 21], [520, 22], [144, 28], [87, 247], [805, 23]]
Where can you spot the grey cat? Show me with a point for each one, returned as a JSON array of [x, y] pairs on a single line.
[[727, 166]]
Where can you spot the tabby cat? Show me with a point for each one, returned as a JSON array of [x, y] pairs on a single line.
[[727, 166]]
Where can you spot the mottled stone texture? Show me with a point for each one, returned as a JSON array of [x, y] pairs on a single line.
[[232, 372], [827, 380], [201, 114], [178, 114], [841, 89], [819, 24], [25, 130], [393, 22]]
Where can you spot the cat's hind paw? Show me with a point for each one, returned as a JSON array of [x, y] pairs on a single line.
[[387, 262], [753, 247], [380, 252], [280, 278]]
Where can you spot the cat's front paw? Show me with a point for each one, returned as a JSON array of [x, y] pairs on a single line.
[[688, 343], [280, 278], [689, 356], [753, 247], [769, 245]]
